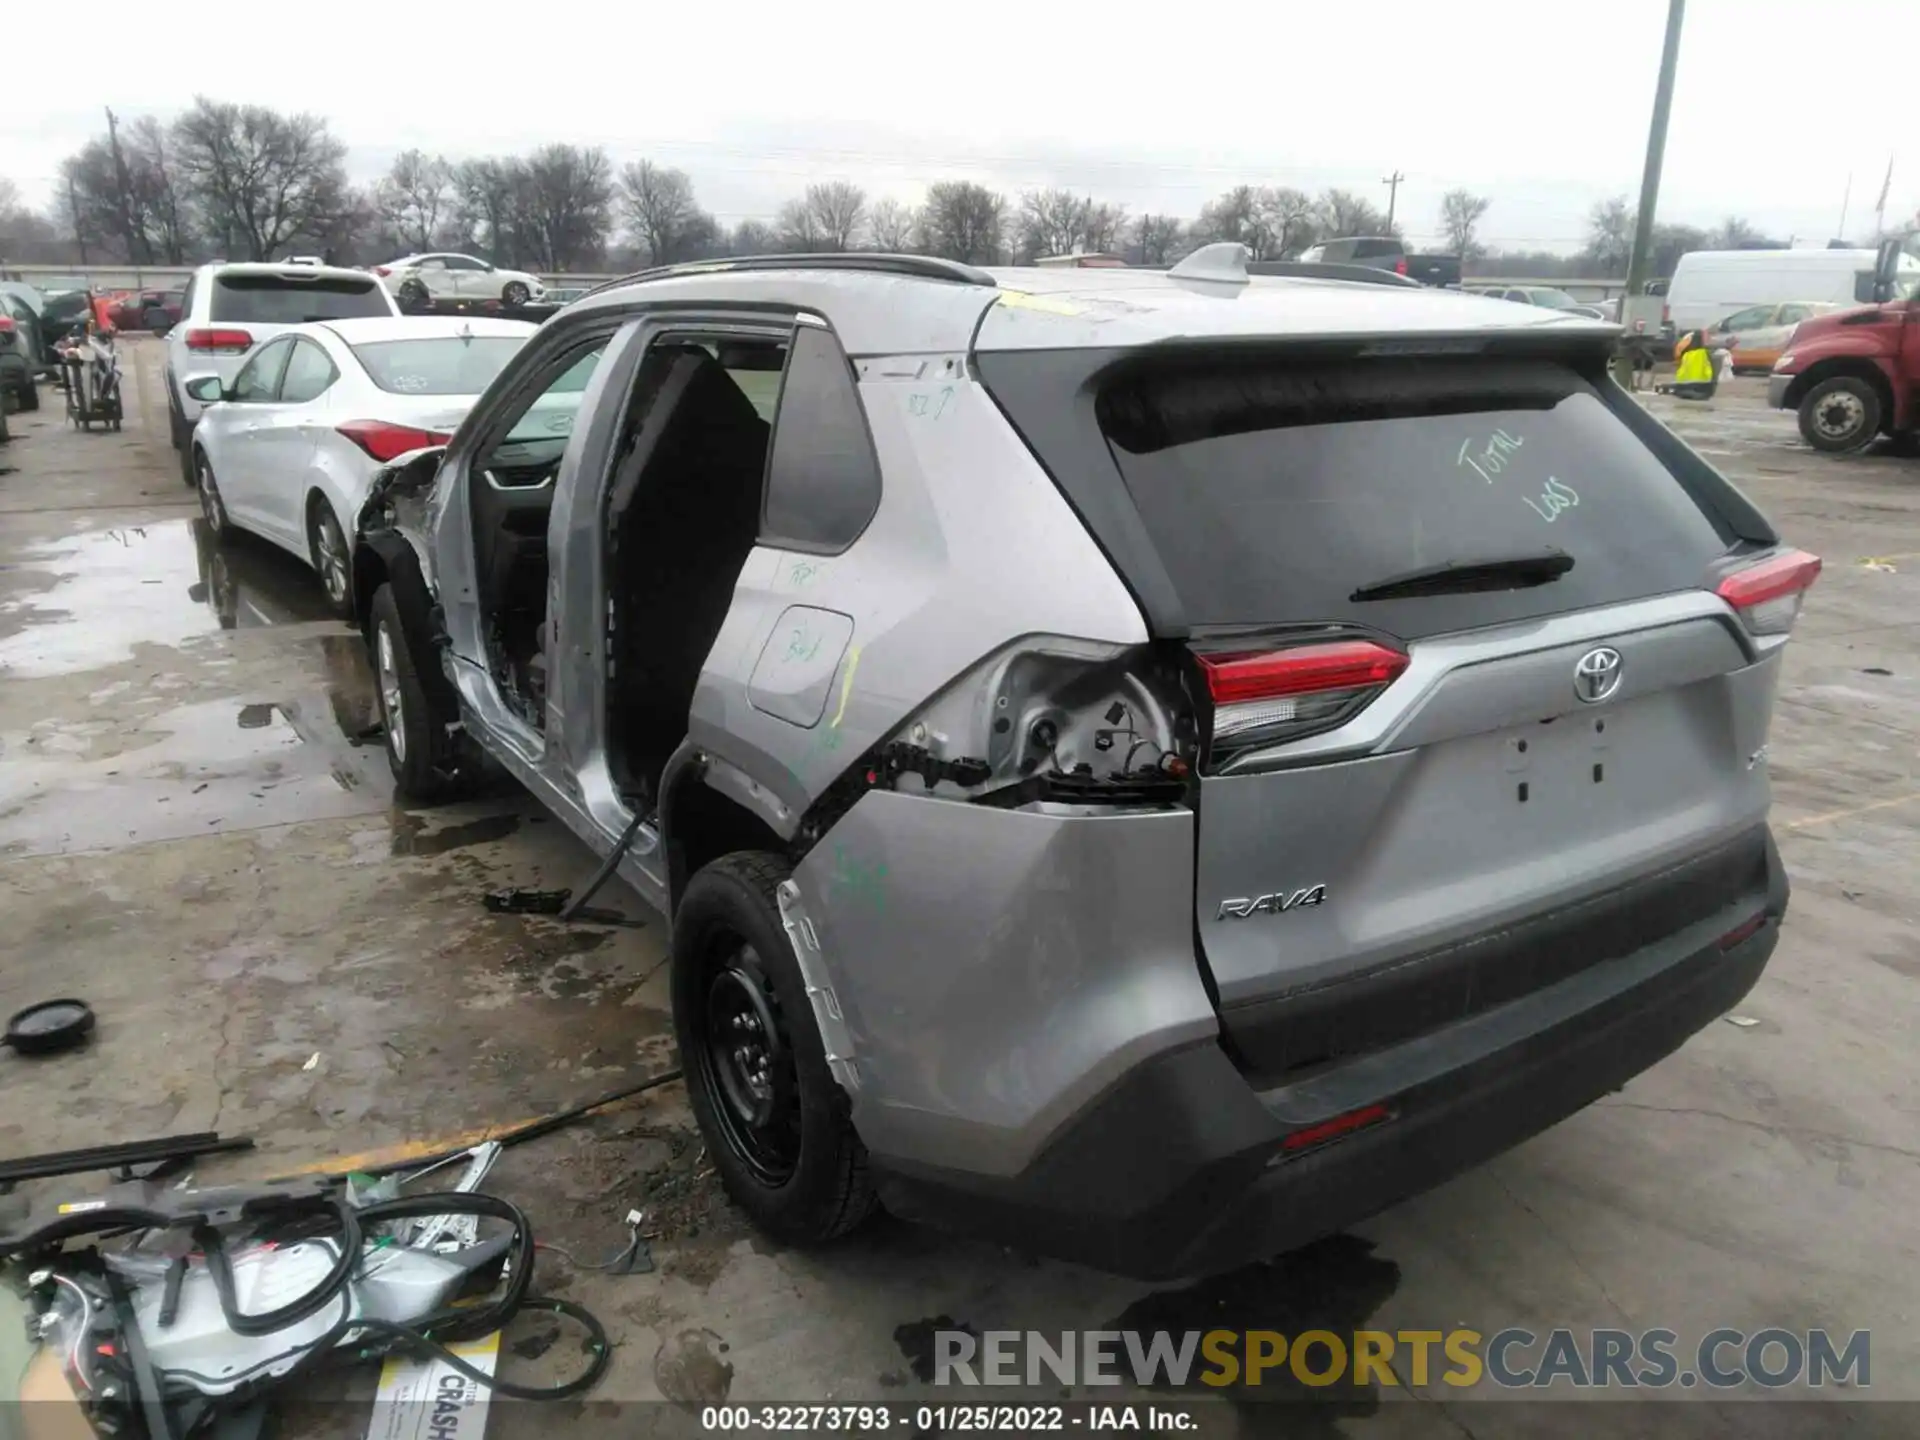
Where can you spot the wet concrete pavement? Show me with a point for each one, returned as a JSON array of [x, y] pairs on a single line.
[[195, 836]]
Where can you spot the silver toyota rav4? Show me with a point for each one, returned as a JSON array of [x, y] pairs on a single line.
[[1148, 766]]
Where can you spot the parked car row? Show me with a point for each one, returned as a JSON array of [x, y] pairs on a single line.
[[418, 281], [289, 384]]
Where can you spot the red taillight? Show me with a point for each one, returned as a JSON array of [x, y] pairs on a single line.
[[228, 341], [1744, 932], [1276, 695], [1335, 1128], [1769, 594], [6, 324], [1400, 267], [384, 441], [381, 270], [1666, 313]]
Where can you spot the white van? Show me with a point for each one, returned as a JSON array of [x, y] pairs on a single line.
[[1709, 285]]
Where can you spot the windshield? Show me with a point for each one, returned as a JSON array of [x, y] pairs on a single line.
[[1555, 300], [277, 300], [440, 365]]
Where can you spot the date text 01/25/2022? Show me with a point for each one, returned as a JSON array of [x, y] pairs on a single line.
[[973, 1419]]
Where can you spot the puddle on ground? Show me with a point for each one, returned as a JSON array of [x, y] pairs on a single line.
[[89, 600], [198, 769], [411, 837]]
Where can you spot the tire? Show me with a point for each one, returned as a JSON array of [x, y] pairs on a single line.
[[412, 295], [416, 742], [331, 556], [514, 294], [1840, 414], [801, 1174], [212, 508], [29, 396]]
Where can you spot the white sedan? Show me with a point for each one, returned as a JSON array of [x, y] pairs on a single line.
[[416, 280], [288, 449]]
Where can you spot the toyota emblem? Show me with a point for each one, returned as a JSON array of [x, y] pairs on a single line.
[[1597, 675]]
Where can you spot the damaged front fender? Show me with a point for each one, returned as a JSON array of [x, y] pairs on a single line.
[[401, 491]]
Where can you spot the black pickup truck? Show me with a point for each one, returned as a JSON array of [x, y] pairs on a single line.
[[1383, 252]]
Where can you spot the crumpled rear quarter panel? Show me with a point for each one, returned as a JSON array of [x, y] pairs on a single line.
[[999, 969]]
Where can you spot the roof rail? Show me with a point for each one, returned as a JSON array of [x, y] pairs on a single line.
[[918, 267], [1331, 270]]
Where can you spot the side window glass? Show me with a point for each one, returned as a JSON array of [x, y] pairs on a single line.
[[1863, 287], [823, 479], [309, 373], [259, 379], [186, 300], [532, 439], [1791, 314]]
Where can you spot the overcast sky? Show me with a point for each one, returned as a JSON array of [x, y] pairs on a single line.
[[1542, 106]]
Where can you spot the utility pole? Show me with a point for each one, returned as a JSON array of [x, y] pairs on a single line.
[[1392, 182], [79, 230], [1650, 177], [1846, 198], [123, 187]]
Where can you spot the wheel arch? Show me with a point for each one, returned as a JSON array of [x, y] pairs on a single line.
[[699, 823], [1854, 366]]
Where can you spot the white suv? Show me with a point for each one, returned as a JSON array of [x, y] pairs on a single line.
[[229, 311]]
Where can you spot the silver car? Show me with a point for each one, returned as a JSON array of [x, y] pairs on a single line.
[[1149, 766]]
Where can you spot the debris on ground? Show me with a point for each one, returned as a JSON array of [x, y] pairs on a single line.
[[521, 901]]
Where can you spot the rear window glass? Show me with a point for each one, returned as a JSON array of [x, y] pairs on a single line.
[[442, 365], [1273, 492], [1374, 249], [272, 300]]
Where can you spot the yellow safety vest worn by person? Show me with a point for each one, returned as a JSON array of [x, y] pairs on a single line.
[[1696, 367]]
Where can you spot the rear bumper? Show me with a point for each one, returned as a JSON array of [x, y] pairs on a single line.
[[1179, 1169], [1777, 387]]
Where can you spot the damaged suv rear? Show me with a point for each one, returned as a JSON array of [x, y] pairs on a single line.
[[1307, 730]]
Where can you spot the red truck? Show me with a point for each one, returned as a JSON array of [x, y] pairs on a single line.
[[1854, 375]]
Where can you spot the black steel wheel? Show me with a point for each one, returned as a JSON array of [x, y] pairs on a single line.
[[748, 1060], [777, 1124]]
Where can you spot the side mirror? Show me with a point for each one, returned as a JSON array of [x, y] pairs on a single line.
[[1886, 266], [207, 389]]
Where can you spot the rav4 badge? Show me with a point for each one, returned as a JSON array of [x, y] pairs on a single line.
[[1278, 903]]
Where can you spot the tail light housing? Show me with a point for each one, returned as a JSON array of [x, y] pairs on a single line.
[[220, 341], [385, 441], [1767, 595], [1666, 313], [1268, 697], [382, 270], [1400, 266]]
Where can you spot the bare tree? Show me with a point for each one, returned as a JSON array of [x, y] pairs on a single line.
[[157, 193], [1735, 233], [415, 199], [483, 193], [796, 229], [1236, 216], [836, 209], [1052, 222], [658, 203], [754, 237], [10, 205], [259, 178], [563, 205], [1106, 225], [891, 225], [1344, 213], [1460, 215], [963, 221], [1287, 219], [1156, 239], [1610, 233]]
